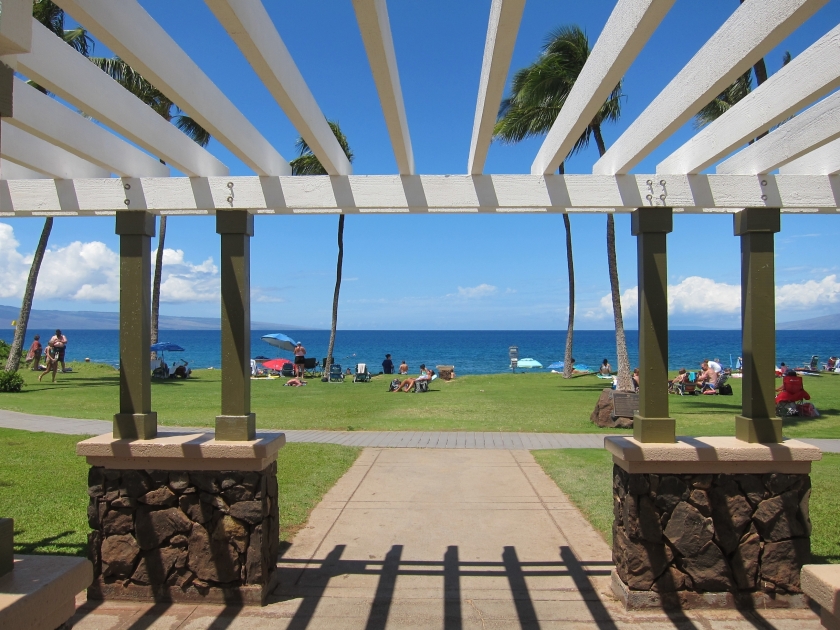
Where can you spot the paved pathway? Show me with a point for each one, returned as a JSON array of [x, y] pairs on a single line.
[[376, 439], [452, 539]]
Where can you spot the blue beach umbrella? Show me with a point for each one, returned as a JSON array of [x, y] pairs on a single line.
[[557, 365], [279, 340], [529, 363], [165, 346]]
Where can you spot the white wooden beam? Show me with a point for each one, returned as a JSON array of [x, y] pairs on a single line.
[[816, 126], [372, 16], [752, 30], [15, 32], [66, 73], [822, 161], [39, 155], [811, 75], [250, 26], [49, 120], [627, 30], [383, 194], [10, 170], [505, 16], [129, 31]]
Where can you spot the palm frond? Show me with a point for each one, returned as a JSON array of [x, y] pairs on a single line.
[[79, 39], [725, 100], [50, 15], [134, 82], [192, 129], [307, 164]]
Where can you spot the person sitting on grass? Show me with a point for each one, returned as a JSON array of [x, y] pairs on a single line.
[[635, 380], [51, 356], [408, 384], [606, 368], [294, 382], [403, 367]]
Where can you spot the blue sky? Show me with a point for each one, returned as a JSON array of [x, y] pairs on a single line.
[[441, 272]]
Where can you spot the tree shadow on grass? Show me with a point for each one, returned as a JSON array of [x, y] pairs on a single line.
[[49, 546]]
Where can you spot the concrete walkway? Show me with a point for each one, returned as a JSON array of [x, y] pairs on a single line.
[[448, 538], [376, 439]]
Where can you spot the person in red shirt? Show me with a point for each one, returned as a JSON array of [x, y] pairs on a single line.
[[34, 354]]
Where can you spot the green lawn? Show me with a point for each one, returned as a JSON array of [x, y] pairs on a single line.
[[585, 475], [43, 487], [498, 402]]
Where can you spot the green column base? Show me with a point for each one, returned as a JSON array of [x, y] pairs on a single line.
[[236, 428], [7, 545], [135, 426], [759, 430], [661, 430]]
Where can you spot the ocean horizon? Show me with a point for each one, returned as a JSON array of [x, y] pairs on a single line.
[[470, 351]]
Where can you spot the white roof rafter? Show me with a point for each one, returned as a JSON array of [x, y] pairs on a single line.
[[822, 161], [752, 30], [627, 30], [250, 26], [29, 151], [128, 30], [505, 16], [49, 120], [372, 16]]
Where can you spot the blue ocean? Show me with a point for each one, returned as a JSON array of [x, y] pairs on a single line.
[[471, 352]]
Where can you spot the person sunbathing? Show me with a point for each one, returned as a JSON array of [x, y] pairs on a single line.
[[294, 382], [408, 384]]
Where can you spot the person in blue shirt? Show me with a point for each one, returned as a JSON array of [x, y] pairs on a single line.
[[388, 365]]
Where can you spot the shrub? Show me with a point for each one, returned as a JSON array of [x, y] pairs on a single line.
[[4, 351], [10, 381]]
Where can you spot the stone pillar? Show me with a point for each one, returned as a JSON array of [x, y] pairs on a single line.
[[710, 522], [136, 420], [652, 423], [183, 518], [236, 421], [758, 421]]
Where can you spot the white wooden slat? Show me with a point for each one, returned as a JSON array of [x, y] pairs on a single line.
[[372, 16], [39, 155], [129, 31], [627, 30], [822, 161], [49, 120], [505, 16], [754, 29], [816, 126], [250, 26], [15, 34], [10, 170], [811, 75], [66, 73], [433, 194]]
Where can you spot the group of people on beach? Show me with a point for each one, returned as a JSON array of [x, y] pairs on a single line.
[[53, 355], [388, 366]]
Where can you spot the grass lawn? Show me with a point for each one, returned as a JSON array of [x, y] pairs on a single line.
[[539, 402], [585, 475], [43, 487]]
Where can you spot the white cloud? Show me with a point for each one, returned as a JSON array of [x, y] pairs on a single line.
[[482, 290], [13, 267], [183, 281], [694, 295], [809, 294]]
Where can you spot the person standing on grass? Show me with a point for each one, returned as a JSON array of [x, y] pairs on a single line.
[[34, 353], [59, 342], [388, 365], [300, 359], [51, 356]]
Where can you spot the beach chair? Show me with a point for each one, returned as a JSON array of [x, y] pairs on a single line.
[[790, 396], [831, 364], [336, 375], [813, 366], [288, 370], [159, 368], [362, 375], [310, 367]]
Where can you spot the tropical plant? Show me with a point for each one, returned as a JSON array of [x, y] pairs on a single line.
[[308, 164], [52, 17], [538, 93], [134, 82]]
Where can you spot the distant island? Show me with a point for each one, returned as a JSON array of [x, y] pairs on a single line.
[[826, 322], [97, 320]]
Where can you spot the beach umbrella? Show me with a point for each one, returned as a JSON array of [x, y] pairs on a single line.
[[557, 365], [280, 340], [529, 363], [260, 358], [275, 364], [165, 346]]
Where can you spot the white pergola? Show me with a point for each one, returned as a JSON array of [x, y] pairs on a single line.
[[55, 162]]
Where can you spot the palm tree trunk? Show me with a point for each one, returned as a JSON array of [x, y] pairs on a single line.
[[335, 295], [28, 295], [624, 375], [568, 367], [156, 283]]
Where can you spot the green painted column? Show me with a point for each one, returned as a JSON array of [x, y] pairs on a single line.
[[136, 420], [758, 421], [652, 423], [236, 422]]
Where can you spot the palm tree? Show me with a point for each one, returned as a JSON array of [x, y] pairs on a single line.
[[51, 16], [134, 82], [538, 93], [308, 164]]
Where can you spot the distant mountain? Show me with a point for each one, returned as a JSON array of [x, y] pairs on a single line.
[[827, 322], [95, 320]]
